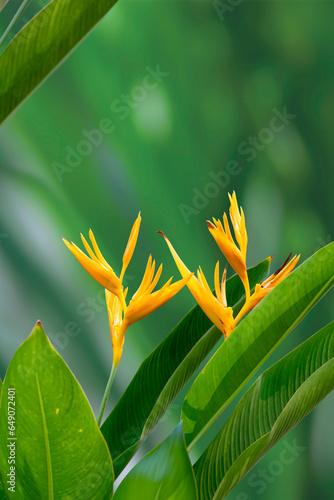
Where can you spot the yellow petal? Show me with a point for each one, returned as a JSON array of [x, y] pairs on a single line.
[[98, 252], [117, 326], [263, 289], [148, 303], [231, 252], [238, 222], [219, 315], [105, 276], [130, 247]]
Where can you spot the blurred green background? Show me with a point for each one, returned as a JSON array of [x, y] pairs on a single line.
[[192, 90]]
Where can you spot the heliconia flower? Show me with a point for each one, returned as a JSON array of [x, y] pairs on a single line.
[[223, 237], [214, 307], [97, 266], [116, 324], [144, 301], [262, 289]]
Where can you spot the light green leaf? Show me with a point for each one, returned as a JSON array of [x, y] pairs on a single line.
[[278, 400], [59, 450], [163, 374], [40, 47], [254, 339], [164, 474]]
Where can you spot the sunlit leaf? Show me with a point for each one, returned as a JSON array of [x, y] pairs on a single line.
[[59, 450], [163, 374], [254, 339], [278, 400]]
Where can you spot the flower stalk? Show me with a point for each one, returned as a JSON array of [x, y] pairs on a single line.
[[106, 393]]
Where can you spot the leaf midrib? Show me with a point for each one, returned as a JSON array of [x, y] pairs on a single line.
[[273, 427], [46, 442], [328, 284]]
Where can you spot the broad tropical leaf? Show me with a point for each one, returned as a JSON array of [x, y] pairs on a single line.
[[42, 45], [164, 474], [163, 374], [60, 452], [278, 400], [253, 340]]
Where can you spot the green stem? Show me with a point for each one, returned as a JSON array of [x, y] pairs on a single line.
[[106, 392], [14, 20]]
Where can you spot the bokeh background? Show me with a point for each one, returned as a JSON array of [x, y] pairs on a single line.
[[222, 73]]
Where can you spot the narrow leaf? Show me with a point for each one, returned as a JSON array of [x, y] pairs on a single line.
[[56, 444], [254, 339], [278, 400], [163, 374], [164, 474]]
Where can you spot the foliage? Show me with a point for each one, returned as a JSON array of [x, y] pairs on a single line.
[[62, 450]]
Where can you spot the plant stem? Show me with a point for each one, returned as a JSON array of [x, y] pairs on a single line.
[[14, 20], [106, 392]]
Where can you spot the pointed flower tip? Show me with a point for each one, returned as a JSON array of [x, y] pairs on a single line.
[[283, 265], [210, 225], [163, 234]]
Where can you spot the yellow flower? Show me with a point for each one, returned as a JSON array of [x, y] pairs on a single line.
[[262, 289], [144, 301], [215, 307], [223, 237]]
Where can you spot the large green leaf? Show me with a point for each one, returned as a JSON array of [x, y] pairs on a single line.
[[42, 45], [278, 400], [60, 452], [163, 374], [254, 340], [164, 474]]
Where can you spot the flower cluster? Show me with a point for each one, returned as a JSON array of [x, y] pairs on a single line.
[[143, 302], [146, 300], [214, 304]]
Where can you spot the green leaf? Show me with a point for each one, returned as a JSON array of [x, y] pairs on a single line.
[[59, 450], [278, 400], [42, 45], [163, 374], [163, 474], [3, 4], [254, 339]]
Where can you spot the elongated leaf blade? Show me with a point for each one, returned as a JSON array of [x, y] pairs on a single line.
[[254, 340], [278, 400], [163, 374], [42, 45], [57, 446], [164, 474]]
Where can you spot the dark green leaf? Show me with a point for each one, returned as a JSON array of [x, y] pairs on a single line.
[[163, 374], [278, 400], [59, 450], [254, 339], [164, 474]]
